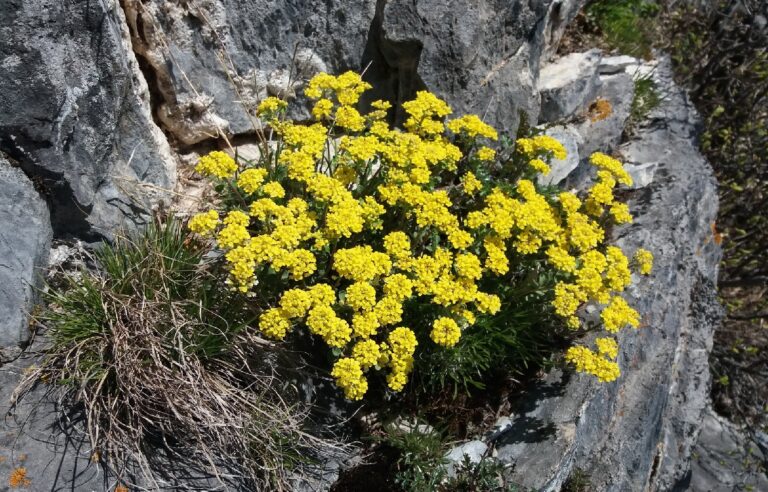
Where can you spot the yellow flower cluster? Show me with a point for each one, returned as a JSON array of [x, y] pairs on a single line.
[[218, 164], [644, 260], [597, 364], [350, 229]]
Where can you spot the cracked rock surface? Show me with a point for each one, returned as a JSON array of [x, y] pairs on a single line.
[[638, 433]]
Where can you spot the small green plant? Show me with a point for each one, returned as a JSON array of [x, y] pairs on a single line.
[[423, 467], [421, 463], [646, 98], [152, 347], [578, 481], [625, 25]]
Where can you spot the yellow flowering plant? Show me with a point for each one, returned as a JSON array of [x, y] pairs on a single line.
[[388, 244]]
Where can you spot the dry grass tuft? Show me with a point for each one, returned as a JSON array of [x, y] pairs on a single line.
[[158, 355]]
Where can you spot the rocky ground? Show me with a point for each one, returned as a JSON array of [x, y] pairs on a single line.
[[102, 103]]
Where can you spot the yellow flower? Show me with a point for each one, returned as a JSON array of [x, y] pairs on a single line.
[[218, 164], [618, 314], [486, 154], [587, 361], [539, 166], [273, 189], [250, 179], [322, 109], [204, 223], [607, 347], [361, 296], [366, 353], [644, 260], [445, 332], [349, 377], [274, 324], [471, 183], [472, 126], [270, 106]]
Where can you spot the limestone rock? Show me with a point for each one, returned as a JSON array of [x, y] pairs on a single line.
[[474, 450], [725, 458], [74, 113], [603, 133], [560, 14], [638, 432], [25, 239], [612, 65], [568, 84], [213, 61]]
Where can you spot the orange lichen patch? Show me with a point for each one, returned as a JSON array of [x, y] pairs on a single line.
[[600, 109], [19, 478], [718, 238]]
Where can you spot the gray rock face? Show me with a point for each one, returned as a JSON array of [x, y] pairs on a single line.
[[637, 433], [726, 459], [560, 14], [214, 60], [568, 84], [604, 134], [25, 239], [74, 113]]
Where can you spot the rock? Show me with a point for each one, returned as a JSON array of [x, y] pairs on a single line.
[[638, 432], [74, 112], [480, 56], [568, 84], [725, 459], [642, 174], [213, 61], [603, 133], [560, 169], [474, 450], [25, 239], [560, 14], [612, 65]]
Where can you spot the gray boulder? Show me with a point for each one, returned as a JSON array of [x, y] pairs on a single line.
[[74, 112], [568, 84], [25, 239], [638, 432]]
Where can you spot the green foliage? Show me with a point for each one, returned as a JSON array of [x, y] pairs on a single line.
[[578, 481], [521, 336], [625, 25], [646, 98], [151, 347], [422, 464]]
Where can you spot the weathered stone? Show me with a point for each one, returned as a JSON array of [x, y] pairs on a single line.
[[560, 169], [25, 239], [560, 14], [568, 84], [612, 65], [725, 459], [604, 133], [74, 113], [474, 450], [213, 61], [637, 433], [642, 174]]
